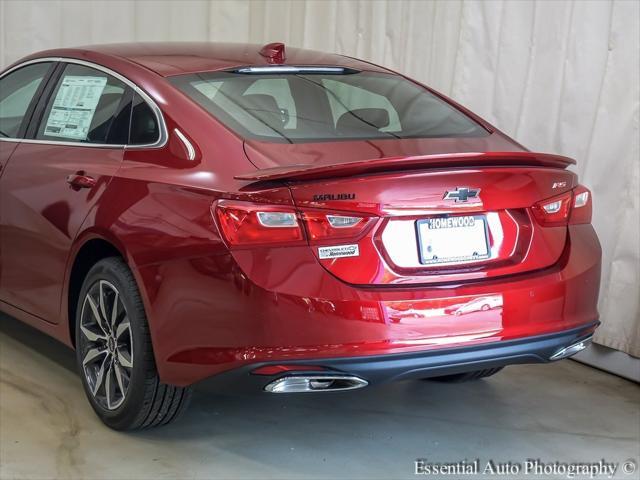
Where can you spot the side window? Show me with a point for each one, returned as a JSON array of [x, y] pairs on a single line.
[[16, 93], [87, 106], [345, 98], [144, 124]]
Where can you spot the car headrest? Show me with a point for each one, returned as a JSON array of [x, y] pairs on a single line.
[[264, 107], [363, 119], [103, 116]]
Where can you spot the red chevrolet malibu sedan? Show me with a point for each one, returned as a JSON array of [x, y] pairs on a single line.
[[281, 219]]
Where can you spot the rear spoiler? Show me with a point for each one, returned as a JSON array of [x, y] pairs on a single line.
[[469, 159]]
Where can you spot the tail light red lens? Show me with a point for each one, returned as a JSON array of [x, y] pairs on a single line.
[[251, 224], [243, 223], [582, 209], [554, 211], [571, 207], [322, 226]]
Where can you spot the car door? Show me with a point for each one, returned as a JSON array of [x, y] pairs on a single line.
[[20, 88], [73, 147]]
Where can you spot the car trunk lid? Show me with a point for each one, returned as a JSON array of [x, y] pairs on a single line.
[[417, 208]]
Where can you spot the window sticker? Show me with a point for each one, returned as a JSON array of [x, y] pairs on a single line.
[[74, 107]]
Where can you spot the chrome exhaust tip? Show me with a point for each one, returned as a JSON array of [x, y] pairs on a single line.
[[315, 383], [572, 349]]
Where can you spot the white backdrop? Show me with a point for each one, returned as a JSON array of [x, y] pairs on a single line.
[[559, 76]]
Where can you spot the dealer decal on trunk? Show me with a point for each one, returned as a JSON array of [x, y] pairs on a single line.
[[338, 251]]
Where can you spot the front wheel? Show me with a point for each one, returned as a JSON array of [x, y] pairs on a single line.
[[115, 355], [466, 376]]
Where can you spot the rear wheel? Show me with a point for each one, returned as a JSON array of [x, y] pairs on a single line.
[[115, 354], [466, 376]]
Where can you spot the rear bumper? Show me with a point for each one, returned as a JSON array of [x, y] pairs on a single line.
[[209, 317], [379, 369]]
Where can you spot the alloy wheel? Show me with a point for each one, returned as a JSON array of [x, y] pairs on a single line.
[[106, 345]]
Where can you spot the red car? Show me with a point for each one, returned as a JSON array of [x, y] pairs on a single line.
[[280, 219]]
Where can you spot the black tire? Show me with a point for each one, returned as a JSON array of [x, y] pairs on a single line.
[[144, 401], [466, 376]]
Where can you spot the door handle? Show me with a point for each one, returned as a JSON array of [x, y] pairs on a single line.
[[78, 181]]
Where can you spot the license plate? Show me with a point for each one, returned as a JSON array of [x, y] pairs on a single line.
[[452, 239]]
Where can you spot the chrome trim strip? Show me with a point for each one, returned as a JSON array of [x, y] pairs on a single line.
[[191, 152], [162, 140], [64, 144]]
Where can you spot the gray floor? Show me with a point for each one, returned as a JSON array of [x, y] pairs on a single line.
[[562, 412]]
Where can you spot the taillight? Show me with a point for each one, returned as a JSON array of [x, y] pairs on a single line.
[[582, 206], [554, 211], [571, 207], [323, 226], [251, 224], [244, 223]]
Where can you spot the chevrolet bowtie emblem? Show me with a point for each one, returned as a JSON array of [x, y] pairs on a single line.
[[462, 194]]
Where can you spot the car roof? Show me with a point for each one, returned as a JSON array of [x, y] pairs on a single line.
[[176, 58]]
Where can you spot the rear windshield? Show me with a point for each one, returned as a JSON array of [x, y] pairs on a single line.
[[317, 107]]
